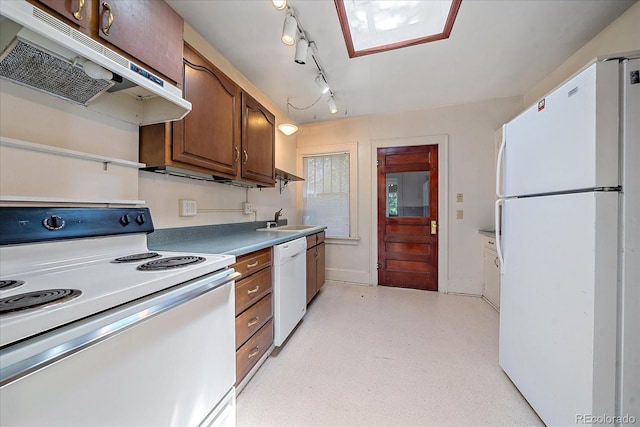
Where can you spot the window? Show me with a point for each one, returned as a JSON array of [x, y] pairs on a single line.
[[328, 193]]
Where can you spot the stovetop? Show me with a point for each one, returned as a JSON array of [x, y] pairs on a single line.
[[86, 269]]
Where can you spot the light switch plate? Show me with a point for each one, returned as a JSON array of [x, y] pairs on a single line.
[[459, 198], [247, 208], [459, 214], [188, 207]]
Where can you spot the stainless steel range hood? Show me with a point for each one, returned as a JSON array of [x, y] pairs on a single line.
[[43, 53]]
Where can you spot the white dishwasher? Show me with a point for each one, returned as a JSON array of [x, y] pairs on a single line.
[[289, 287]]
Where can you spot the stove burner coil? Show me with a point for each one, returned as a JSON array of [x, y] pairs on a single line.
[[170, 262], [10, 284], [137, 257], [37, 299]]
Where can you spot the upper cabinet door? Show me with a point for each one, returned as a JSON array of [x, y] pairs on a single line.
[[76, 11], [148, 30], [258, 142], [209, 136]]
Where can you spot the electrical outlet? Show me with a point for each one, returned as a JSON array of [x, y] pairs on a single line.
[[247, 208], [459, 214], [188, 207]]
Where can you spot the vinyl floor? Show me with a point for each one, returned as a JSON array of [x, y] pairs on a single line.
[[379, 356]]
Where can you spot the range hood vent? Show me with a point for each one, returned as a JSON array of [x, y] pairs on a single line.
[[43, 53], [27, 65]]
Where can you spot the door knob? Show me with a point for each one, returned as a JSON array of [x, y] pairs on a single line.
[[434, 227]]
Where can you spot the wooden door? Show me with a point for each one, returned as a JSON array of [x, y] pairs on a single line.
[[76, 11], [258, 142], [148, 30], [408, 217], [209, 136]]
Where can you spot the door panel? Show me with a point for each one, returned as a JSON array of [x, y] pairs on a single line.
[[407, 204], [558, 302], [576, 125]]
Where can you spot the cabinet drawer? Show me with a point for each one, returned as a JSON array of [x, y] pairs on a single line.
[[253, 319], [249, 354], [311, 241], [251, 289], [320, 237], [255, 261]]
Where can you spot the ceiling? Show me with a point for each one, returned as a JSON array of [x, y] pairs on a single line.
[[497, 49]]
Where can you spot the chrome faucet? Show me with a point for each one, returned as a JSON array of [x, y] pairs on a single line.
[[277, 216]]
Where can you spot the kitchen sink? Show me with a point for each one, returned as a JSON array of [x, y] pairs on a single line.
[[289, 228]]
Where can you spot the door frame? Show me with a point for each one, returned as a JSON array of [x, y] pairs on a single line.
[[442, 141]]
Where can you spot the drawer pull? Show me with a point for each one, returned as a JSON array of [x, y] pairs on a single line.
[[254, 290], [254, 352], [255, 264], [253, 321], [107, 29], [78, 13]]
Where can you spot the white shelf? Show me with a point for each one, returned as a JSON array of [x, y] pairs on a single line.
[[41, 148]]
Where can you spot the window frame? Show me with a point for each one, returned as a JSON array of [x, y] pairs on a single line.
[[324, 150]]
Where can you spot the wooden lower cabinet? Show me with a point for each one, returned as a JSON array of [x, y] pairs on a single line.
[[254, 310], [315, 264]]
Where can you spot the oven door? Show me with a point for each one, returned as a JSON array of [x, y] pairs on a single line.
[[167, 359]]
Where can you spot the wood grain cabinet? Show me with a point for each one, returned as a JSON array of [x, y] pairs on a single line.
[[146, 31], [254, 311], [315, 264], [228, 135]]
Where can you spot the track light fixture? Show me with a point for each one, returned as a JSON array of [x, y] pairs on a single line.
[[279, 4], [322, 83], [302, 47], [333, 108], [289, 30]]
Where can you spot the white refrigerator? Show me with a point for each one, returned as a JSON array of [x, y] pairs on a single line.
[[569, 236]]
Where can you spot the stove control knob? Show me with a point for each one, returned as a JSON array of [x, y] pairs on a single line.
[[125, 219], [54, 222], [140, 219]]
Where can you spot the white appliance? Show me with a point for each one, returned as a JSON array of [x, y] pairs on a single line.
[[97, 330], [34, 40], [569, 248], [289, 287]]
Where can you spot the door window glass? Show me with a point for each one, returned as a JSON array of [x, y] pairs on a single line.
[[407, 194]]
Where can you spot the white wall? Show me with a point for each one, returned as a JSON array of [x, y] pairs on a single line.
[[470, 129], [621, 36]]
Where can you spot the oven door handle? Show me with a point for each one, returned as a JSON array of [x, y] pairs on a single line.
[[101, 327]]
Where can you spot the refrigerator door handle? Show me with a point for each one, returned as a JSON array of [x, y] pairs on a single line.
[[499, 204], [499, 163]]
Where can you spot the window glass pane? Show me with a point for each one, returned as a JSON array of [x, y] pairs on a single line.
[[407, 194], [326, 192]]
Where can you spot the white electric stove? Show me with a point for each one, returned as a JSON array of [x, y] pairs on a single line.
[[79, 289]]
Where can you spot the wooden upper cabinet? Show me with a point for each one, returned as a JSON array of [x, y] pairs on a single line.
[[148, 30], [209, 136], [258, 142], [77, 11]]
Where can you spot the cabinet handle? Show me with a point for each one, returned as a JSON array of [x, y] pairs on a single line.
[[254, 290], [78, 13], [106, 29], [246, 156], [253, 321], [254, 352], [252, 265], [237, 155], [496, 262]]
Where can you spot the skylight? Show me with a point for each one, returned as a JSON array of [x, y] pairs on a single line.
[[377, 26]]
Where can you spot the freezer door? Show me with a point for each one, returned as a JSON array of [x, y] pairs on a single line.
[[558, 303], [569, 140]]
